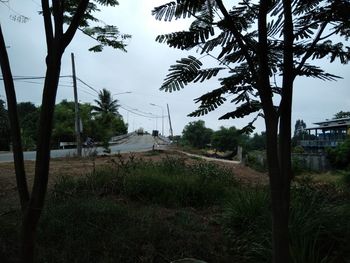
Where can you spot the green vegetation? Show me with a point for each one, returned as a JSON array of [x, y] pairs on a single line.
[[196, 134], [339, 156], [145, 211], [227, 139], [98, 125]]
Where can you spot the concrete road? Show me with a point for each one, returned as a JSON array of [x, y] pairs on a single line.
[[133, 143]]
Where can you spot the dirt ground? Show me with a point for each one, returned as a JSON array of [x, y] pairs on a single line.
[[81, 166]]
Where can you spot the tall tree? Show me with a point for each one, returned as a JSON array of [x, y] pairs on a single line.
[[28, 115], [75, 13], [106, 104], [196, 134], [299, 128], [264, 46], [226, 139], [342, 114], [107, 115]]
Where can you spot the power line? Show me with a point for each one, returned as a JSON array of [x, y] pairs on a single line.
[[87, 85], [88, 93], [138, 114], [31, 77], [39, 83]]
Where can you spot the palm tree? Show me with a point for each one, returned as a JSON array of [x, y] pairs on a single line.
[[105, 104]]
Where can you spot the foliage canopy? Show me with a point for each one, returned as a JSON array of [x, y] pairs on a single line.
[[233, 38]]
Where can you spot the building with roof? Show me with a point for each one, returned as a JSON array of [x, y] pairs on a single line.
[[328, 133]]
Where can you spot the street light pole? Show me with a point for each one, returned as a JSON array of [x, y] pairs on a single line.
[[162, 116]]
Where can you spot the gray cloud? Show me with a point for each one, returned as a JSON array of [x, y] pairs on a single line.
[[142, 69]]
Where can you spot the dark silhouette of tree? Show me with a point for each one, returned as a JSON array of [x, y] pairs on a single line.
[[196, 134], [299, 132], [257, 142], [107, 116], [226, 139], [342, 114], [299, 128], [28, 115], [75, 13], [263, 46], [106, 104]]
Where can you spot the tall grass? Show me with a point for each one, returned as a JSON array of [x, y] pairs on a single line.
[[170, 182], [140, 211], [99, 229], [319, 227], [246, 222]]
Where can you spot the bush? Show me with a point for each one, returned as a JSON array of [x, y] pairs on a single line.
[[339, 157], [346, 178], [170, 182], [319, 226], [256, 160], [174, 183], [82, 228], [246, 222]]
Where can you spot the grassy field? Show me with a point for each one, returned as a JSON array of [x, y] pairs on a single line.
[[161, 207]]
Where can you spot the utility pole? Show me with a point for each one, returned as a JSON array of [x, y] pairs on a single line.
[[77, 116], [171, 127]]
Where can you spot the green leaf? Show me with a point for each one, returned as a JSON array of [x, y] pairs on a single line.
[[185, 71], [243, 110], [178, 9]]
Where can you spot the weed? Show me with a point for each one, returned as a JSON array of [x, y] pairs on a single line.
[[318, 227], [246, 224], [346, 179]]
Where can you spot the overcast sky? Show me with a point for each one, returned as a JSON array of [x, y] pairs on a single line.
[[141, 70]]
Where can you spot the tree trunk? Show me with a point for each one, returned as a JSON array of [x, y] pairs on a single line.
[[280, 187], [279, 194], [14, 125], [36, 202]]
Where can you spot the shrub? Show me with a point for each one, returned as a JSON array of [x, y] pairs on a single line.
[[318, 228], [339, 157], [346, 178], [318, 225], [256, 160], [246, 222], [174, 183]]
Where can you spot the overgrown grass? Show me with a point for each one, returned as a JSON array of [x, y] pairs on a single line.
[[319, 226], [141, 211], [171, 182], [102, 230]]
